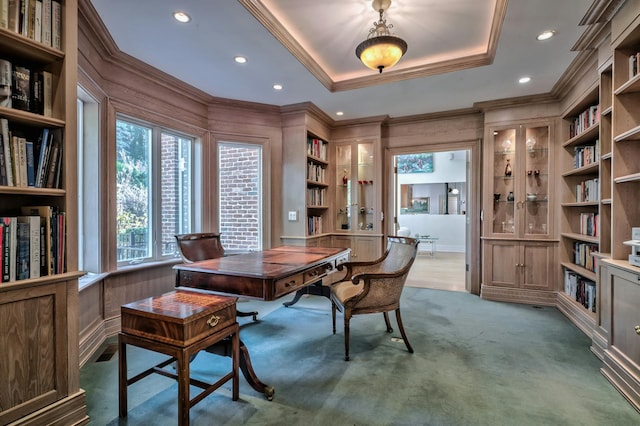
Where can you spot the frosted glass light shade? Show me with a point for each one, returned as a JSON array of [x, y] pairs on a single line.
[[381, 52]]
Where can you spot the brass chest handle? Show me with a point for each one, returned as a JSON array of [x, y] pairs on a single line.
[[213, 321]]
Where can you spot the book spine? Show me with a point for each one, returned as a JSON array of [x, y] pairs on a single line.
[[33, 225], [23, 255], [36, 103], [22, 158], [6, 77], [46, 22], [4, 13], [37, 30], [31, 16], [3, 167], [54, 159], [56, 24], [24, 17], [15, 160], [30, 166], [4, 251], [20, 92], [14, 15], [4, 128], [42, 156], [47, 93], [13, 247]]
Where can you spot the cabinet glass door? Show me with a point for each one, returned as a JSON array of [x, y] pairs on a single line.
[[504, 188], [536, 197], [365, 188], [343, 187]]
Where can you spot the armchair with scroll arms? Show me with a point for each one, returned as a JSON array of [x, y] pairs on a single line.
[[202, 246], [375, 286]]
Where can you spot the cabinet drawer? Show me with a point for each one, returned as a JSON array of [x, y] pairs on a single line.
[[287, 285], [179, 318], [625, 288]]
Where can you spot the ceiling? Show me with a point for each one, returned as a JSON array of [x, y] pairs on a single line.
[[460, 51]]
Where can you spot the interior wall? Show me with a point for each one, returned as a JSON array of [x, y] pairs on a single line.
[[449, 229]]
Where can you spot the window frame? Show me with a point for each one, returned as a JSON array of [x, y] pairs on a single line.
[[155, 202]]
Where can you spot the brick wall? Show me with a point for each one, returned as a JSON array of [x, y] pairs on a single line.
[[239, 196]]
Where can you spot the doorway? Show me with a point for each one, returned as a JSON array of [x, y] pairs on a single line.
[[431, 193]]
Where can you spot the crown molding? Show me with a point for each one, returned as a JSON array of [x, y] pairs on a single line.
[[308, 108], [515, 102], [601, 11], [268, 20], [457, 113]]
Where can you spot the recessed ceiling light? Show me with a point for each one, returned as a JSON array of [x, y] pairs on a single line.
[[524, 80], [277, 86], [546, 35], [339, 113], [240, 59], [181, 16]]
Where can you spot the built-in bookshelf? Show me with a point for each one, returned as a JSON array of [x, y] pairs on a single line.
[[317, 186], [39, 293], [580, 164], [618, 333], [306, 170]]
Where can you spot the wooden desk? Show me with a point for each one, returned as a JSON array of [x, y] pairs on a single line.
[[264, 275]]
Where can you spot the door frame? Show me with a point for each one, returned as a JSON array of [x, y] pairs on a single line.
[[473, 255]]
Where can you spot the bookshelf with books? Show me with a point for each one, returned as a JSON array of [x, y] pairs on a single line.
[[306, 171], [580, 226], [621, 276], [38, 298]]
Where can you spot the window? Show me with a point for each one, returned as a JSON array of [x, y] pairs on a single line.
[[154, 190], [89, 212], [240, 195]]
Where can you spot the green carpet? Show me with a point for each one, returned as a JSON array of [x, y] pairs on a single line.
[[475, 363]]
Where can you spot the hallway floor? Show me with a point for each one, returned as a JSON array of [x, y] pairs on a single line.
[[442, 271]]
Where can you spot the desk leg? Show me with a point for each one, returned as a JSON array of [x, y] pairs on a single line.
[[184, 402], [315, 289], [122, 377], [225, 348]]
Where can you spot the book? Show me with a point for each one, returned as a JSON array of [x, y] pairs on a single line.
[[46, 22], [30, 164], [54, 159], [4, 13], [6, 78], [31, 16], [4, 129], [24, 18], [9, 247], [22, 251], [14, 15], [47, 93], [56, 24], [36, 103], [21, 155], [37, 21], [44, 142], [46, 215], [15, 160], [33, 223], [21, 87], [3, 167]]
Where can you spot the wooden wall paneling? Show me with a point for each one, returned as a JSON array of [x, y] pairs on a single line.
[[135, 284], [91, 320]]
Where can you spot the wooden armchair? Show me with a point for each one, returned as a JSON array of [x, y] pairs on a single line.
[[202, 246], [375, 286]]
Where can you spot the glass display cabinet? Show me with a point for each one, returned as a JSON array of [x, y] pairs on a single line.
[[521, 166], [355, 199]]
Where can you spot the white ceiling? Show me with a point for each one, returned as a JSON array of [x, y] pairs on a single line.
[[326, 34]]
